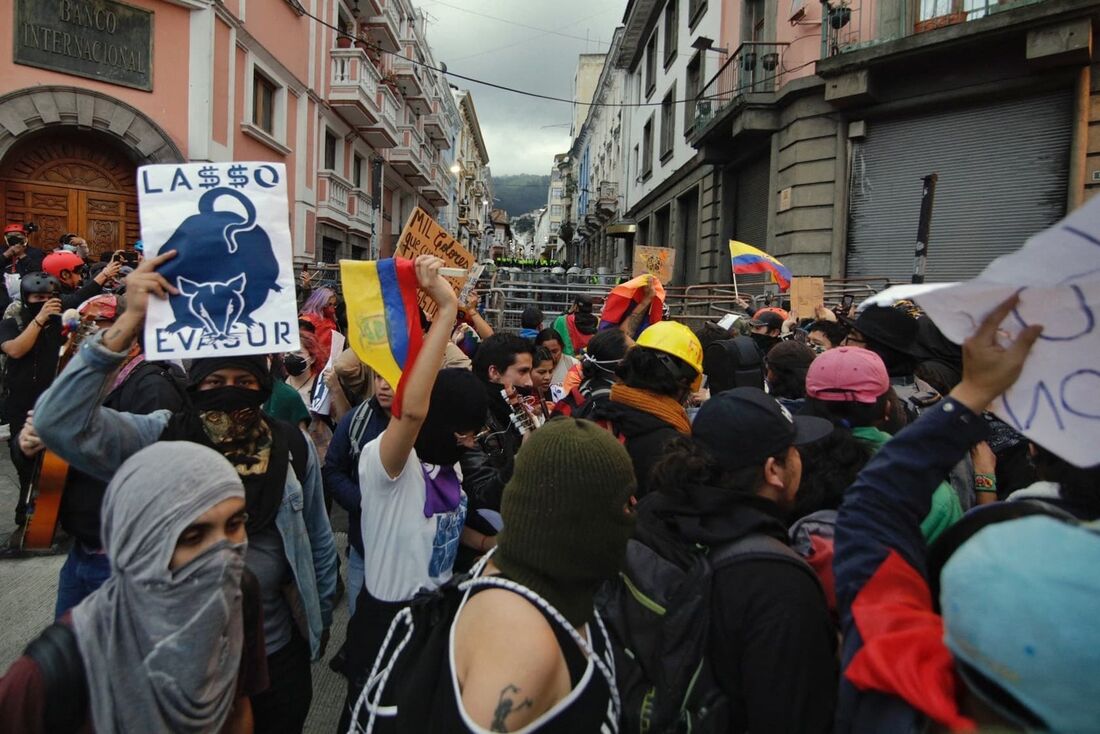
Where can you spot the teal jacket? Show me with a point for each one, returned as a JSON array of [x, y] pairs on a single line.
[[946, 508]]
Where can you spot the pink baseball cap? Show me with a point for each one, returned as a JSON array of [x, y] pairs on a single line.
[[847, 375]]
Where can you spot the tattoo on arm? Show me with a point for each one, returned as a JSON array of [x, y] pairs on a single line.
[[506, 706]]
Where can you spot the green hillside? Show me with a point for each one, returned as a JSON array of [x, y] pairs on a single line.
[[520, 193]]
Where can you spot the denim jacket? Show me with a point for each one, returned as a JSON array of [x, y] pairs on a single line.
[[97, 440]]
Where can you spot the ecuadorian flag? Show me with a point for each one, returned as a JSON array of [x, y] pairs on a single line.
[[383, 317], [748, 260], [623, 299]]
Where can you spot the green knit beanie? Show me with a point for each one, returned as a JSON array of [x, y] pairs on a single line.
[[565, 525]]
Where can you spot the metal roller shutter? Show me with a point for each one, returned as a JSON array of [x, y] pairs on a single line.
[[751, 213], [751, 223], [1003, 171]]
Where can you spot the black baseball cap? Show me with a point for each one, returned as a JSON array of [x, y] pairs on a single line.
[[742, 427], [770, 319]]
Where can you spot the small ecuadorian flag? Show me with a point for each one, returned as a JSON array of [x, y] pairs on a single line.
[[748, 260], [383, 317]]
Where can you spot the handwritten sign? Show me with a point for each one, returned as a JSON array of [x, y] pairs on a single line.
[[660, 262], [1056, 400], [228, 223], [422, 235], [806, 295]]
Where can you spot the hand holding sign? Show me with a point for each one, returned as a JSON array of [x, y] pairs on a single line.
[[432, 283], [1055, 400], [422, 235], [989, 367], [145, 280]]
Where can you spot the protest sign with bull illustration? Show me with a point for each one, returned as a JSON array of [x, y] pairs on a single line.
[[228, 223]]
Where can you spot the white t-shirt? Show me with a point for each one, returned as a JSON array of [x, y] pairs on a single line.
[[403, 551], [565, 364]]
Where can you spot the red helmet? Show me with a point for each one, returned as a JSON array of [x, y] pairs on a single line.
[[16, 227], [57, 262]]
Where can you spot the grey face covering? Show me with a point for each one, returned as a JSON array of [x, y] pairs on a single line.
[[162, 648]]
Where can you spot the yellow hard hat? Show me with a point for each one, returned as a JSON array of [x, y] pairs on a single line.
[[676, 339]]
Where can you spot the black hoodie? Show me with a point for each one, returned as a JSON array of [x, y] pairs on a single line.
[[772, 643], [644, 435]]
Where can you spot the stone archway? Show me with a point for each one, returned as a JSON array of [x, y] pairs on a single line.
[[27, 110], [67, 163]]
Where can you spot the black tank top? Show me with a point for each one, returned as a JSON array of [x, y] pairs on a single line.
[[587, 707]]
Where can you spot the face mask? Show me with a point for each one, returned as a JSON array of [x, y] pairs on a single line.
[[294, 364], [228, 399], [765, 342], [329, 312], [34, 308], [221, 559]]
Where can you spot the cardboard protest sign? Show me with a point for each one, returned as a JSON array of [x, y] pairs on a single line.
[[322, 396], [1056, 400], [806, 295], [422, 235], [659, 262], [228, 223]]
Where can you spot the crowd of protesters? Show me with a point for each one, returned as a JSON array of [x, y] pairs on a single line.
[[767, 524]]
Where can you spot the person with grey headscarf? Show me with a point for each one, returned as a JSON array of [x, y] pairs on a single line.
[[163, 643]]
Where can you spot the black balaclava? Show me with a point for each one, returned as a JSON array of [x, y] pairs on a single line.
[[230, 420], [458, 404]]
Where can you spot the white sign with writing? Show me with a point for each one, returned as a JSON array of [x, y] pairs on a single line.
[[1056, 401], [322, 396], [228, 223]]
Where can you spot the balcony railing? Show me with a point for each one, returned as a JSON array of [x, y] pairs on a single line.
[[850, 25], [755, 67], [354, 85], [332, 196], [384, 28], [362, 210]]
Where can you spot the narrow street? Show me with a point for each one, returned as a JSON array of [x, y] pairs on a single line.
[[30, 586]]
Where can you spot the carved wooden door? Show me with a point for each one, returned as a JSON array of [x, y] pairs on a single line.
[[69, 181], [52, 208], [104, 218]]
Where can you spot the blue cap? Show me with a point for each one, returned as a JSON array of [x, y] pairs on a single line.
[[1019, 606], [139, 246]]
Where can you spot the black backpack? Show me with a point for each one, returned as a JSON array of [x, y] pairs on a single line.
[[57, 655], [658, 616], [409, 669]]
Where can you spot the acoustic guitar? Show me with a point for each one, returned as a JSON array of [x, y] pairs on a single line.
[[51, 472]]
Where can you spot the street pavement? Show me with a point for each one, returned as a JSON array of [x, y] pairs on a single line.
[[28, 587]]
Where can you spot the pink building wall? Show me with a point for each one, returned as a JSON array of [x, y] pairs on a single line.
[[166, 104]]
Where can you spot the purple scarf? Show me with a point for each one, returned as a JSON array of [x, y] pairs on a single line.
[[443, 491]]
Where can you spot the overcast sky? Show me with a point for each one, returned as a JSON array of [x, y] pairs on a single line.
[[509, 54]]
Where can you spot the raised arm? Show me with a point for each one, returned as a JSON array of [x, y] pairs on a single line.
[[633, 322], [398, 438], [18, 347], [475, 319], [68, 416], [882, 510]]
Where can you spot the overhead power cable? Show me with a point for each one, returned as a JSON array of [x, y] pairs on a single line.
[[551, 98], [523, 25]]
